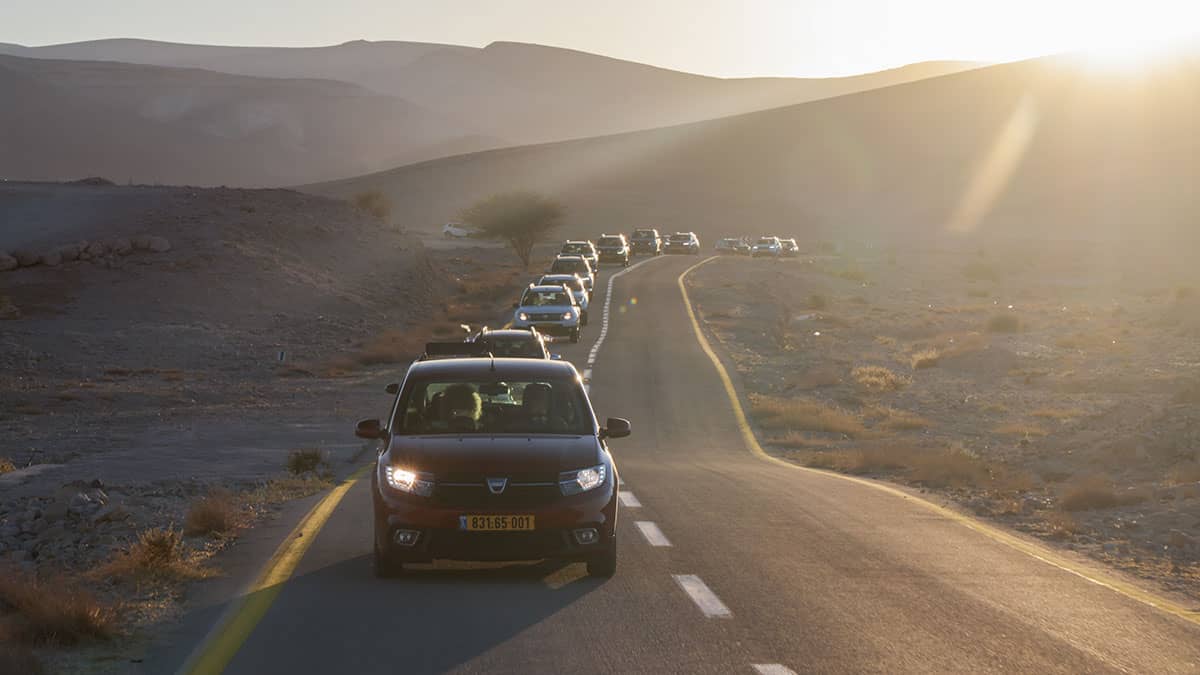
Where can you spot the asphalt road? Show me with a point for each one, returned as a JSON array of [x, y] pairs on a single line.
[[745, 565]]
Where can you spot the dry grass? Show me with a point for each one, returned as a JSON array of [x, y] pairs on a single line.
[[1004, 323], [306, 461], [951, 467], [158, 554], [817, 301], [978, 293], [391, 346], [877, 379], [374, 203], [216, 513], [53, 612], [794, 440], [1061, 525], [6, 465], [286, 489], [804, 415], [892, 419], [816, 378], [1061, 414], [926, 358], [1019, 429], [1096, 492]]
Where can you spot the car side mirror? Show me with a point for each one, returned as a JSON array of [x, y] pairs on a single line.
[[393, 388], [616, 427], [369, 429], [556, 357]]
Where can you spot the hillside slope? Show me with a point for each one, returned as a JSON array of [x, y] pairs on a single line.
[[1042, 146]]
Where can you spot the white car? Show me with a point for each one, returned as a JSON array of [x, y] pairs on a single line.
[[456, 231], [550, 309], [575, 284], [575, 264], [767, 247]]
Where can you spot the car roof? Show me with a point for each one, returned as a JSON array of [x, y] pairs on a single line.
[[565, 277], [499, 368], [568, 256], [510, 333], [545, 287], [576, 241]]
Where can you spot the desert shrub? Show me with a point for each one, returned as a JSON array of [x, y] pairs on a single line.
[[519, 218], [1019, 429], [1096, 492], [6, 465], [892, 419], [926, 358], [216, 513], [374, 203], [1061, 414], [791, 414], [157, 554], [951, 467], [305, 461], [1061, 525], [49, 612], [877, 379], [817, 301], [1004, 323]]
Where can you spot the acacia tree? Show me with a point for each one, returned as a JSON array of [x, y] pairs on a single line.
[[519, 218]]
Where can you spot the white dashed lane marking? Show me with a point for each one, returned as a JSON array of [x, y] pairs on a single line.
[[772, 669], [702, 595], [653, 535], [591, 359], [628, 499]]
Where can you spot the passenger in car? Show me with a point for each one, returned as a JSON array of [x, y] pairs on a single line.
[[538, 410], [464, 407]]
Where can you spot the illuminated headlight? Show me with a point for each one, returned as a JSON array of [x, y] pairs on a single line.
[[567, 316], [420, 484], [574, 482], [522, 316]]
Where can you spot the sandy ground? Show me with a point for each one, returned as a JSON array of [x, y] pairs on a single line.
[[1039, 388]]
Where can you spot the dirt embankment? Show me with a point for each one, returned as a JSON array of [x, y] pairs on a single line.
[[1048, 389]]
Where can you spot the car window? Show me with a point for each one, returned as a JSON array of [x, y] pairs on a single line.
[[515, 346], [555, 406], [610, 241], [545, 298], [680, 237]]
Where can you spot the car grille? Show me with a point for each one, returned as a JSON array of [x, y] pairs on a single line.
[[545, 316], [521, 491]]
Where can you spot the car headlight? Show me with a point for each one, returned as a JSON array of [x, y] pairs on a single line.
[[522, 316], [568, 315], [420, 484], [582, 480]]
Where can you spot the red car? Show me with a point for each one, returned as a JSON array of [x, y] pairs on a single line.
[[494, 459]]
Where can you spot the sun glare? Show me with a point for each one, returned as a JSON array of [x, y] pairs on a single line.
[[1129, 56]]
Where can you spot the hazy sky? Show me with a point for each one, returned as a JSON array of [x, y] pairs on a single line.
[[725, 38]]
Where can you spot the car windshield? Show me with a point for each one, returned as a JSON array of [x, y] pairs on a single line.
[[555, 406], [610, 241], [680, 238], [643, 234], [569, 266], [766, 242], [577, 249], [545, 298], [572, 282], [515, 346]]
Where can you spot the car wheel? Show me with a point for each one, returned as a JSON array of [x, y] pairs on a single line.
[[574, 335], [583, 318], [604, 565]]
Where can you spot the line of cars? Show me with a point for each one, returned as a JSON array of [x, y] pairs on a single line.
[[767, 246], [491, 450]]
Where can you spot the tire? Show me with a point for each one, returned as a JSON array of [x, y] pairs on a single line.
[[574, 335], [583, 318], [626, 263], [604, 565]]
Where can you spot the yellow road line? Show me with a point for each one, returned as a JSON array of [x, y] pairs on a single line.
[[1029, 548], [235, 625]]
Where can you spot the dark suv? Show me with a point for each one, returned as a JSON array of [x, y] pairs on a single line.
[[613, 248], [645, 241], [493, 459]]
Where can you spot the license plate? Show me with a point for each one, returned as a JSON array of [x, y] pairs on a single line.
[[495, 523]]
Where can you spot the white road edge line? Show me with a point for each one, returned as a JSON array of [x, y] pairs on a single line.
[[772, 669], [591, 359], [654, 536], [629, 500], [702, 595]]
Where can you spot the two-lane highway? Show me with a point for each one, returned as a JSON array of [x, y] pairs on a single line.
[[728, 562]]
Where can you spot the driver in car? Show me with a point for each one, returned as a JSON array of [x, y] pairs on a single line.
[[537, 410]]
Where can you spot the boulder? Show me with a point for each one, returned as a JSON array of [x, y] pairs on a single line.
[[7, 262], [26, 258], [122, 247], [159, 244]]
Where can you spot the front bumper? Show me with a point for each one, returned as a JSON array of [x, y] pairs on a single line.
[[548, 327], [614, 256], [440, 537], [647, 247], [679, 249]]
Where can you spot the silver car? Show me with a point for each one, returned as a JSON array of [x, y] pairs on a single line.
[[575, 284], [550, 309]]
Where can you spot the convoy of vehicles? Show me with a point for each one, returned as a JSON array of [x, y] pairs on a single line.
[[491, 450]]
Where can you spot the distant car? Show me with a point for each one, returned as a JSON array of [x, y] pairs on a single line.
[[645, 241], [573, 282], [512, 343], [456, 231], [686, 243], [574, 264], [582, 248], [790, 248], [549, 309], [613, 248], [767, 247], [493, 459], [743, 247], [727, 246]]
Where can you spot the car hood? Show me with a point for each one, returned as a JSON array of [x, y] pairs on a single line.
[[475, 453]]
